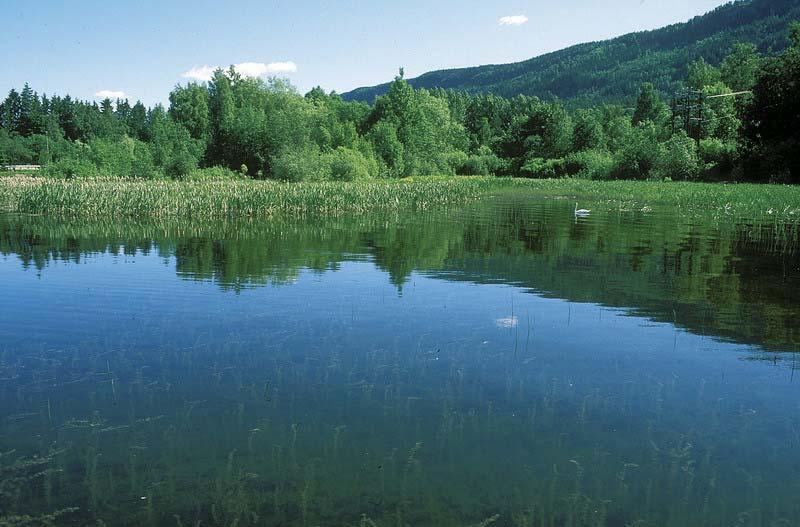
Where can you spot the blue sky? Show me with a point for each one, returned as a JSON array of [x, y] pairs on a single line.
[[143, 48]]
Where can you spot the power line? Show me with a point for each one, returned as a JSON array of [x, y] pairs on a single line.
[[734, 94], [688, 106]]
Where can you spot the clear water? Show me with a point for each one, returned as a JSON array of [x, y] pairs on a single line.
[[503, 364]]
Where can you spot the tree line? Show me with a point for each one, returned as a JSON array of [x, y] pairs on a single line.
[[235, 126]]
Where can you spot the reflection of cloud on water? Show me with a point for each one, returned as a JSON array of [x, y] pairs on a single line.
[[508, 322]]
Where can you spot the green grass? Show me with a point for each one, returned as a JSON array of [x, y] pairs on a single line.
[[755, 201], [107, 198], [225, 198]]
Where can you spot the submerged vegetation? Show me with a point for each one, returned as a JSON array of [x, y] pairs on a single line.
[[395, 370], [732, 122]]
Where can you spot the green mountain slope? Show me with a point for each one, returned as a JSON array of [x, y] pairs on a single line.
[[613, 70]]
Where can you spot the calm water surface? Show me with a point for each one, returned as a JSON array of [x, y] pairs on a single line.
[[503, 364]]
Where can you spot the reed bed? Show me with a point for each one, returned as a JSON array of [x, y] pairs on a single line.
[[104, 198], [130, 198]]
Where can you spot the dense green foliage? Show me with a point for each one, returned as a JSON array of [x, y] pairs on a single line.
[[612, 70], [772, 137], [732, 122]]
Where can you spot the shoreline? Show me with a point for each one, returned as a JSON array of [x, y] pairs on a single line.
[[126, 198]]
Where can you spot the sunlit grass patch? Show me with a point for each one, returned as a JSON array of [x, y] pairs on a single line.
[[226, 198]]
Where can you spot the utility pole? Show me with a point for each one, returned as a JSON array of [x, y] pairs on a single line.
[[687, 121], [699, 127], [689, 106], [673, 107]]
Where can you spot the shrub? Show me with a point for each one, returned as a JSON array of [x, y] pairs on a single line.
[[71, 167], [483, 163], [538, 167], [126, 158], [345, 164], [15, 149], [638, 155], [304, 163], [718, 156], [590, 164], [456, 161], [678, 159]]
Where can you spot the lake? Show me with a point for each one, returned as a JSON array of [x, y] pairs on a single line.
[[504, 364]]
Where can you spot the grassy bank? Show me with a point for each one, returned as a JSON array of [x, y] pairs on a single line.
[[105, 198]]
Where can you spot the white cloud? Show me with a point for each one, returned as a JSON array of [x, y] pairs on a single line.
[[259, 69], [201, 73], [111, 94], [514, 20], [246, 69]]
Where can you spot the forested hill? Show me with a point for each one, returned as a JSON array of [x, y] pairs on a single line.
[[614, 70]]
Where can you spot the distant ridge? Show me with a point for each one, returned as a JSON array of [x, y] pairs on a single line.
[[613, 70]]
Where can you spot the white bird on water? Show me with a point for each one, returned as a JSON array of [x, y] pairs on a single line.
[[581, 212]]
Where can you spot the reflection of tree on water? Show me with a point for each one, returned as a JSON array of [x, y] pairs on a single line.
[[734, 280]]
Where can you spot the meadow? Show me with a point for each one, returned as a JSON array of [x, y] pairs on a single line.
[[102, 198]]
